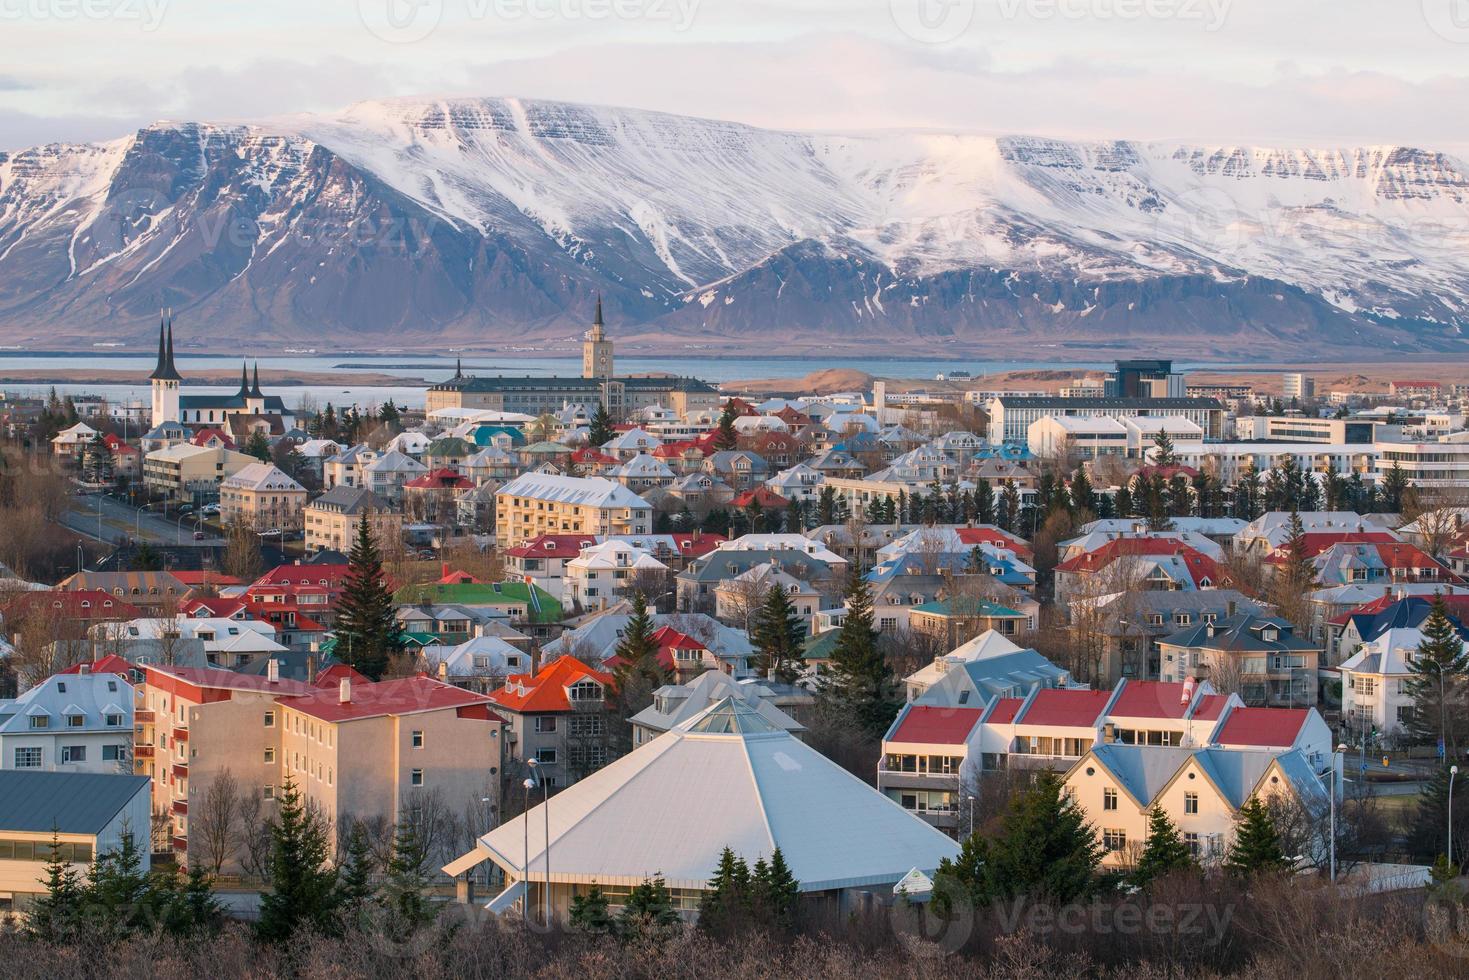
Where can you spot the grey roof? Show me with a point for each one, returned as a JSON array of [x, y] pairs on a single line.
[[1055, 401], [67, 802], [1242, 633], [586, 386], [349, 500], [727, 563]]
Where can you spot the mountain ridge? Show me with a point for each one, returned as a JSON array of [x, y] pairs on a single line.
[[491, 219]]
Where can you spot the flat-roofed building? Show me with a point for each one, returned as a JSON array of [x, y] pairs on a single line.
[[1011, 417], [537, 503]]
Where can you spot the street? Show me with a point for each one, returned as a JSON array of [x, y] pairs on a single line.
[[106, 519]]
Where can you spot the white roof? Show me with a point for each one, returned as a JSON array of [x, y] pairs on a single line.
[[616, 553], [635, 439], [674, 704], [726, 778], [1388, 655], [587, 491], [478, 415], [1084, 423], [262, 476], [643, 466], [784, 542], [93, 696], [411, 443], [393, 462]]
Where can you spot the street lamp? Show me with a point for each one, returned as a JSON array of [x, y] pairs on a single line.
[[971, 816], [528, 785], [79, 558], [546, 813], [1340, 751], [1453, 771]]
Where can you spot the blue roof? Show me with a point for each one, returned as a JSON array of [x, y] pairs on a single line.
[[67, 802]]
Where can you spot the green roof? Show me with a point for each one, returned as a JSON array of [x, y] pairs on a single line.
[[968, 607], [540, 604], [820, 646], [416, 639], [448, 446], [546, 448]]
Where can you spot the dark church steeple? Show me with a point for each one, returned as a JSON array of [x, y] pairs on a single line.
[[165, 370], [255, 391], [244, 381]]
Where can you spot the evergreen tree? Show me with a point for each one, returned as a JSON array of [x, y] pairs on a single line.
[[966, 876], [145, 558], [638, 671], [1122, 504], [189, 907], [1082, 497], [724, 908], [826, 507], [54, 917], [1256, 846], [725, 436], [649, 908], [368, 634], [778, 893], [1009, 513], [98, 468], [858, 685], [258, 446], [599, 429], [303, 889], [1394, 487], [984, 502], [1439, 675], [119, 898], [1044, 848], [389, 416], [1247, 494], [1163, 455], [1180, 498], [405, 885], [589, 913], [779, 636], [1165, 851], [1428, 830], [354, 887]]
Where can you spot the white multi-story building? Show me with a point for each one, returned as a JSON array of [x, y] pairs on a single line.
[[537, 503], [1428, 465], [1374, 681], [597, 577], [79, 722]]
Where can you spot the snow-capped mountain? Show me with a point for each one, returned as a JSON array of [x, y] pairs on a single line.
[[486, 220]]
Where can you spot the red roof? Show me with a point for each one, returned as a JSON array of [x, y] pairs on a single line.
[[1151, 699], [1276, 727], [228, 680], [1200, 566], [696, 544], [1005, 710], [1315, 542], [85, 604], [204, 577], [331, 575], [546, 690], [936, 726], [668, 640], [591, 454], [1166, 472], [110, 664], [553, 546], [439, 479], [1211, 706], [768, 499], [984, 534], [402, 696], [204, 435], [1065, 708], [216, 608]]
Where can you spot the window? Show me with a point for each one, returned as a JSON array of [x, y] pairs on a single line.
[[269, 723], [1192, 840], [1109, 799], [587, 727], [40, 721], [267, 792], [112, 753], [418, 738], [28, 757], [1114, 840], [113, 721], [545, 723], [73, 753], [415, 777], [269, 755], [586, 691], [546, 757], [1190, 802]]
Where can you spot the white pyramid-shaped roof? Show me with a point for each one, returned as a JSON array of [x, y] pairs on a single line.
[[725, 778]]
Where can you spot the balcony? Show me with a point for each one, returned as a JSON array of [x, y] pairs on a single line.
[[180, 844], [893, 778], [181, 734], [143, 716], [142, 751], [181, 807]]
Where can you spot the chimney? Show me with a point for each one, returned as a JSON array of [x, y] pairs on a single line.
[[1189, 686], [443, 669], [84, 668], [1230, 608], [344, 690], [311, 669], [273, 671]]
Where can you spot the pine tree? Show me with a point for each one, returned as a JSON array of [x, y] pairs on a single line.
[[1439, 672], [1427, 832], [1082, 497], [1165, 851], [599, 429], [1045, 848], [588, 913], [1163, 455], [724, 907], [187, 902], [367, 630], [965, 877], [1122, 504], [389, 416], [303, 890], [649, 908], [779, 636], [258, 446], [858, 685], [405, 885], [984, 502], [725, 436], [354, 887], [1256, 846], [118, 891], [779, 894], [1009, 505], [826, 507], [99, 460], [1394, 486], [54, 917], [638, 672]]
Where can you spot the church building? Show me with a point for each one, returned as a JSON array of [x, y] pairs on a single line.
[[212, 409]]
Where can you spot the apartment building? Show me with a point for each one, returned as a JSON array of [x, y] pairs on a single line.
[[1262, 654], [558, 717], [261, 496], [184, 471], [1429, 466], [80, 722], [536, 503], [330, 521]]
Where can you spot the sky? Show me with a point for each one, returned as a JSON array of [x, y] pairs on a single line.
[[1289, 72]]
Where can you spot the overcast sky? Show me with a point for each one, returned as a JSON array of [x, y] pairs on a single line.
[[1286, 71]]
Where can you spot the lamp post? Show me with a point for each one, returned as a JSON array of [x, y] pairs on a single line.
[[1453, 771], [528, 785], [1335, 779], [546, 813], [79, 559], [971, 816]]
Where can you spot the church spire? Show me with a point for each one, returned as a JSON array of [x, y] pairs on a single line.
[[255, 383], [165, 370], [244, 381], [597, 320], [458, 368]]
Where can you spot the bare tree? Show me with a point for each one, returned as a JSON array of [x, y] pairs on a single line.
[[214, 823], [255, 840], [740, 598], [242, 552]]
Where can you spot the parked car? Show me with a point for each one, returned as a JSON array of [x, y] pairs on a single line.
[[198, 535]]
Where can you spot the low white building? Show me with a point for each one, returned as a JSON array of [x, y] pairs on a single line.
[[70, 723], [74, 440], [596, 577], [228, 643], [1374, 681], [1084, 436]]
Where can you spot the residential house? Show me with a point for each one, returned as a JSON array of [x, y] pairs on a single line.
[[261, 497], [1259, 655], [674, 704], [559, 717], [80, 722], [331, 520]]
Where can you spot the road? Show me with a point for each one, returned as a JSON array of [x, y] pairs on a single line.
[[118, 520]]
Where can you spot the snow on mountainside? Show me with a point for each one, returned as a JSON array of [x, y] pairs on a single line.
[[490, 219]]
